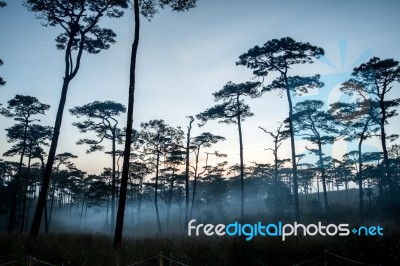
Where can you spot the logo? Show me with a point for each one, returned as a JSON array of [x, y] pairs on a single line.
[[280, 230]]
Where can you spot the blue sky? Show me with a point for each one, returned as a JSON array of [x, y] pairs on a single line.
[[184, 57]]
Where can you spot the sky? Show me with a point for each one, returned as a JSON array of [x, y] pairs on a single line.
[[184, 57]]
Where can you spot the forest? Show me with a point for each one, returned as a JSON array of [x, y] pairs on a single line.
[[157, 175]]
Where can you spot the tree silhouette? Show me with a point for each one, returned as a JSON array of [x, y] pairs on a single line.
[[279, 55], [36, 137], [157, 137], [278, 137], [217, 186], [139, 170], [64, 171], [361, 119], [101, 119], [175, 156], [320, 128], [148, 8], [233, 110], [204, 140], [307, 172], [375, 78], [21, 108], [79, 21], [187, 170], [106, 179]]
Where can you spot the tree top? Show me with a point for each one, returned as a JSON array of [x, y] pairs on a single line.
[[24, 106], [148, 8], [99, 109], [235, 90], [279, 55]]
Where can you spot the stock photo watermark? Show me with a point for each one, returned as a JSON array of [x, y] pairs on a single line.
[[280, 230]]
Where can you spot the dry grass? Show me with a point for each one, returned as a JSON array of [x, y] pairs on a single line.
[[74, 249]]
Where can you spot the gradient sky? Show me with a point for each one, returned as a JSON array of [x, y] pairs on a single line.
[[184, 57]]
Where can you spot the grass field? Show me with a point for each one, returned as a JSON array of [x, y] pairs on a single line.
[[84, 249]]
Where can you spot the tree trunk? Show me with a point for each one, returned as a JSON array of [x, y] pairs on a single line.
[[11, 221], [81, 215], [128, 133], [139, 214], [322, 169], [241, 164], [107, 211], [171, 189], [360, 180], [276, 181], [187, 173], [51, 208], [293, 147], [113, 184], [132, 205], [195, 180], [86, 207], [26, 190], [180, 209], [27, 214], [156, 194], [56, 132], [384, 149]]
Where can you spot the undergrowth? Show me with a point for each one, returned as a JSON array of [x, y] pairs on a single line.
[[87, 249]]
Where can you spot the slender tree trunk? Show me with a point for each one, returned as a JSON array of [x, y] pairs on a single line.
[[171, 189], [384, 149], [180, 210], [156, 194], [293, 147], [51, 208], [276, 182], [195, 180], [128, 133], [27, 215], [11, 221], [360, 179], [86, 208], [70, 209], [360, 182], [360, 169], [107, 210], [132, 205], [241, 164], [113, 184], [26, 191], [56, 132], [322, 169], [277, 144], [187, 172], [81, 216], [45, 206], [139, 214]]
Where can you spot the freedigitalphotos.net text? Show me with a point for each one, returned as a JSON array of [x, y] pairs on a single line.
[[279, 229]]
